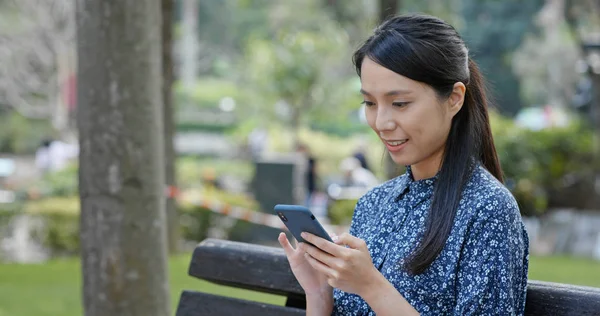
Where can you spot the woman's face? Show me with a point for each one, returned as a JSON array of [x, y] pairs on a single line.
[[408, 116]]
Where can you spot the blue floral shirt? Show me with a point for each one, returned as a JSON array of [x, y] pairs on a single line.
[[482, 269]]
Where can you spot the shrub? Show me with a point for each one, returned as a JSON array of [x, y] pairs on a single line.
[[340, 211], [541, 167], [21, 135], [60, 219]]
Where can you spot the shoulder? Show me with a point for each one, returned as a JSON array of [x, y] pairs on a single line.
[[488, 203], [488, 196]]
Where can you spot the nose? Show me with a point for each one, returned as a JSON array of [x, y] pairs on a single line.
[[384, 120]]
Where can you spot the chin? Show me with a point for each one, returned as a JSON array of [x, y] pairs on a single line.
[[401, 160]]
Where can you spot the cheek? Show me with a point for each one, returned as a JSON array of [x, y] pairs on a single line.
[[371, 116], [438, 131], [428, 129]]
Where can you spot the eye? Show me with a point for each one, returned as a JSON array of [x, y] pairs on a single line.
[[400, 104], [367, 103]]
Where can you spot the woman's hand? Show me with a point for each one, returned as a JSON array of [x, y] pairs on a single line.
[[312, 281], [349, 269]]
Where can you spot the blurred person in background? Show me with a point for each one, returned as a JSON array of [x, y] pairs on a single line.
[[55, 155], [360, 154], [310, 174], [356, 175]]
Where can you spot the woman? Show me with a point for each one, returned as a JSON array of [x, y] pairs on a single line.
[[445, 238]]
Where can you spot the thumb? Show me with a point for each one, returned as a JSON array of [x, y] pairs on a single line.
[[285, 244], [351, 241]]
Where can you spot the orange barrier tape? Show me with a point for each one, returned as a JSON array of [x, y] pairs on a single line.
[[245, 214]]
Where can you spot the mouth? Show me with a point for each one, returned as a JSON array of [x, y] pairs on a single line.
[[395, 145], [395, 142]]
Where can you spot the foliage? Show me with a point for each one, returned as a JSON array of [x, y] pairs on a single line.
[[53, 205], [329, 150], [449, 10], [340, 211], [62, 183], [196, 220], [493, 30], [543, 169], [20, 135], [205, 94], [59, 231], [37, 48], [198, 107], [223, 28], [192, 171], [543, 79], [540, 166], [303, 70]]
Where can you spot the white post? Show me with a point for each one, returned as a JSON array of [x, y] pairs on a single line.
[[189, 44]]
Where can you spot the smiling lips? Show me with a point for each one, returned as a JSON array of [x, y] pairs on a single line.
[[395, 145]]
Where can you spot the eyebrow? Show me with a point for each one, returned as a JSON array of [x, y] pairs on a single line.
[[387, 94]]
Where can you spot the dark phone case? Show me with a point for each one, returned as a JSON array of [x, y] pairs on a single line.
[[300, 219]]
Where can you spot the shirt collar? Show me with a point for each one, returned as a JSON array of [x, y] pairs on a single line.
[[408, 183]]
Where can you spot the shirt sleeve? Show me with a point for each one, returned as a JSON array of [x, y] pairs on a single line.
[[492, 273]]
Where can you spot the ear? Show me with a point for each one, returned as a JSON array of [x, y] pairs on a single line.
[[457, 98]]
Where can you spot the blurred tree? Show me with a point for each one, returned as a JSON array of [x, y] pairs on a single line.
[[448, 11], [37, 59], [121, 174], [357, 17], [493, 30], [222, 29], [584, 24], [301, 73], [546, 60], [173, 230], [388, 8]]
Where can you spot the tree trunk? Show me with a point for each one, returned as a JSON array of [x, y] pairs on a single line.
[[173, 231], [387, 8], [121, 175]]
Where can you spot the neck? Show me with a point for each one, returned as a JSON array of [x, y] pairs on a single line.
[[428, 167]]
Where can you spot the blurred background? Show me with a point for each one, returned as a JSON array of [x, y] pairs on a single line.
[[266, 110]]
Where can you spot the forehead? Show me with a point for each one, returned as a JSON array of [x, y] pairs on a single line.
[[377, 79]]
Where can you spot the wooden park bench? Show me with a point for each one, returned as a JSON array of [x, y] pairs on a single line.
[[265, 269]]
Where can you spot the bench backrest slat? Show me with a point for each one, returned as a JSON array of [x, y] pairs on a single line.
[[545, 298], [245, 266], [266, 269], [203, 304]]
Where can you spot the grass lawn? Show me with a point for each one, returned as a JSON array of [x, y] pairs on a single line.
[[54, 288]]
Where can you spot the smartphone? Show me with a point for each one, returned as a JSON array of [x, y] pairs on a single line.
[[298, 219]]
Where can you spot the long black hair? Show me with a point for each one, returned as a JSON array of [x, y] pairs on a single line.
[[427, 49]]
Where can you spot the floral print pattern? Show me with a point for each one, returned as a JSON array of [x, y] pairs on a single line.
[[482, 269]]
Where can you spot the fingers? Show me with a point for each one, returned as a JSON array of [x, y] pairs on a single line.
[[319, 266], [323, 244], [318, 254], [285, 244], [351, 241], [333, 236]]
